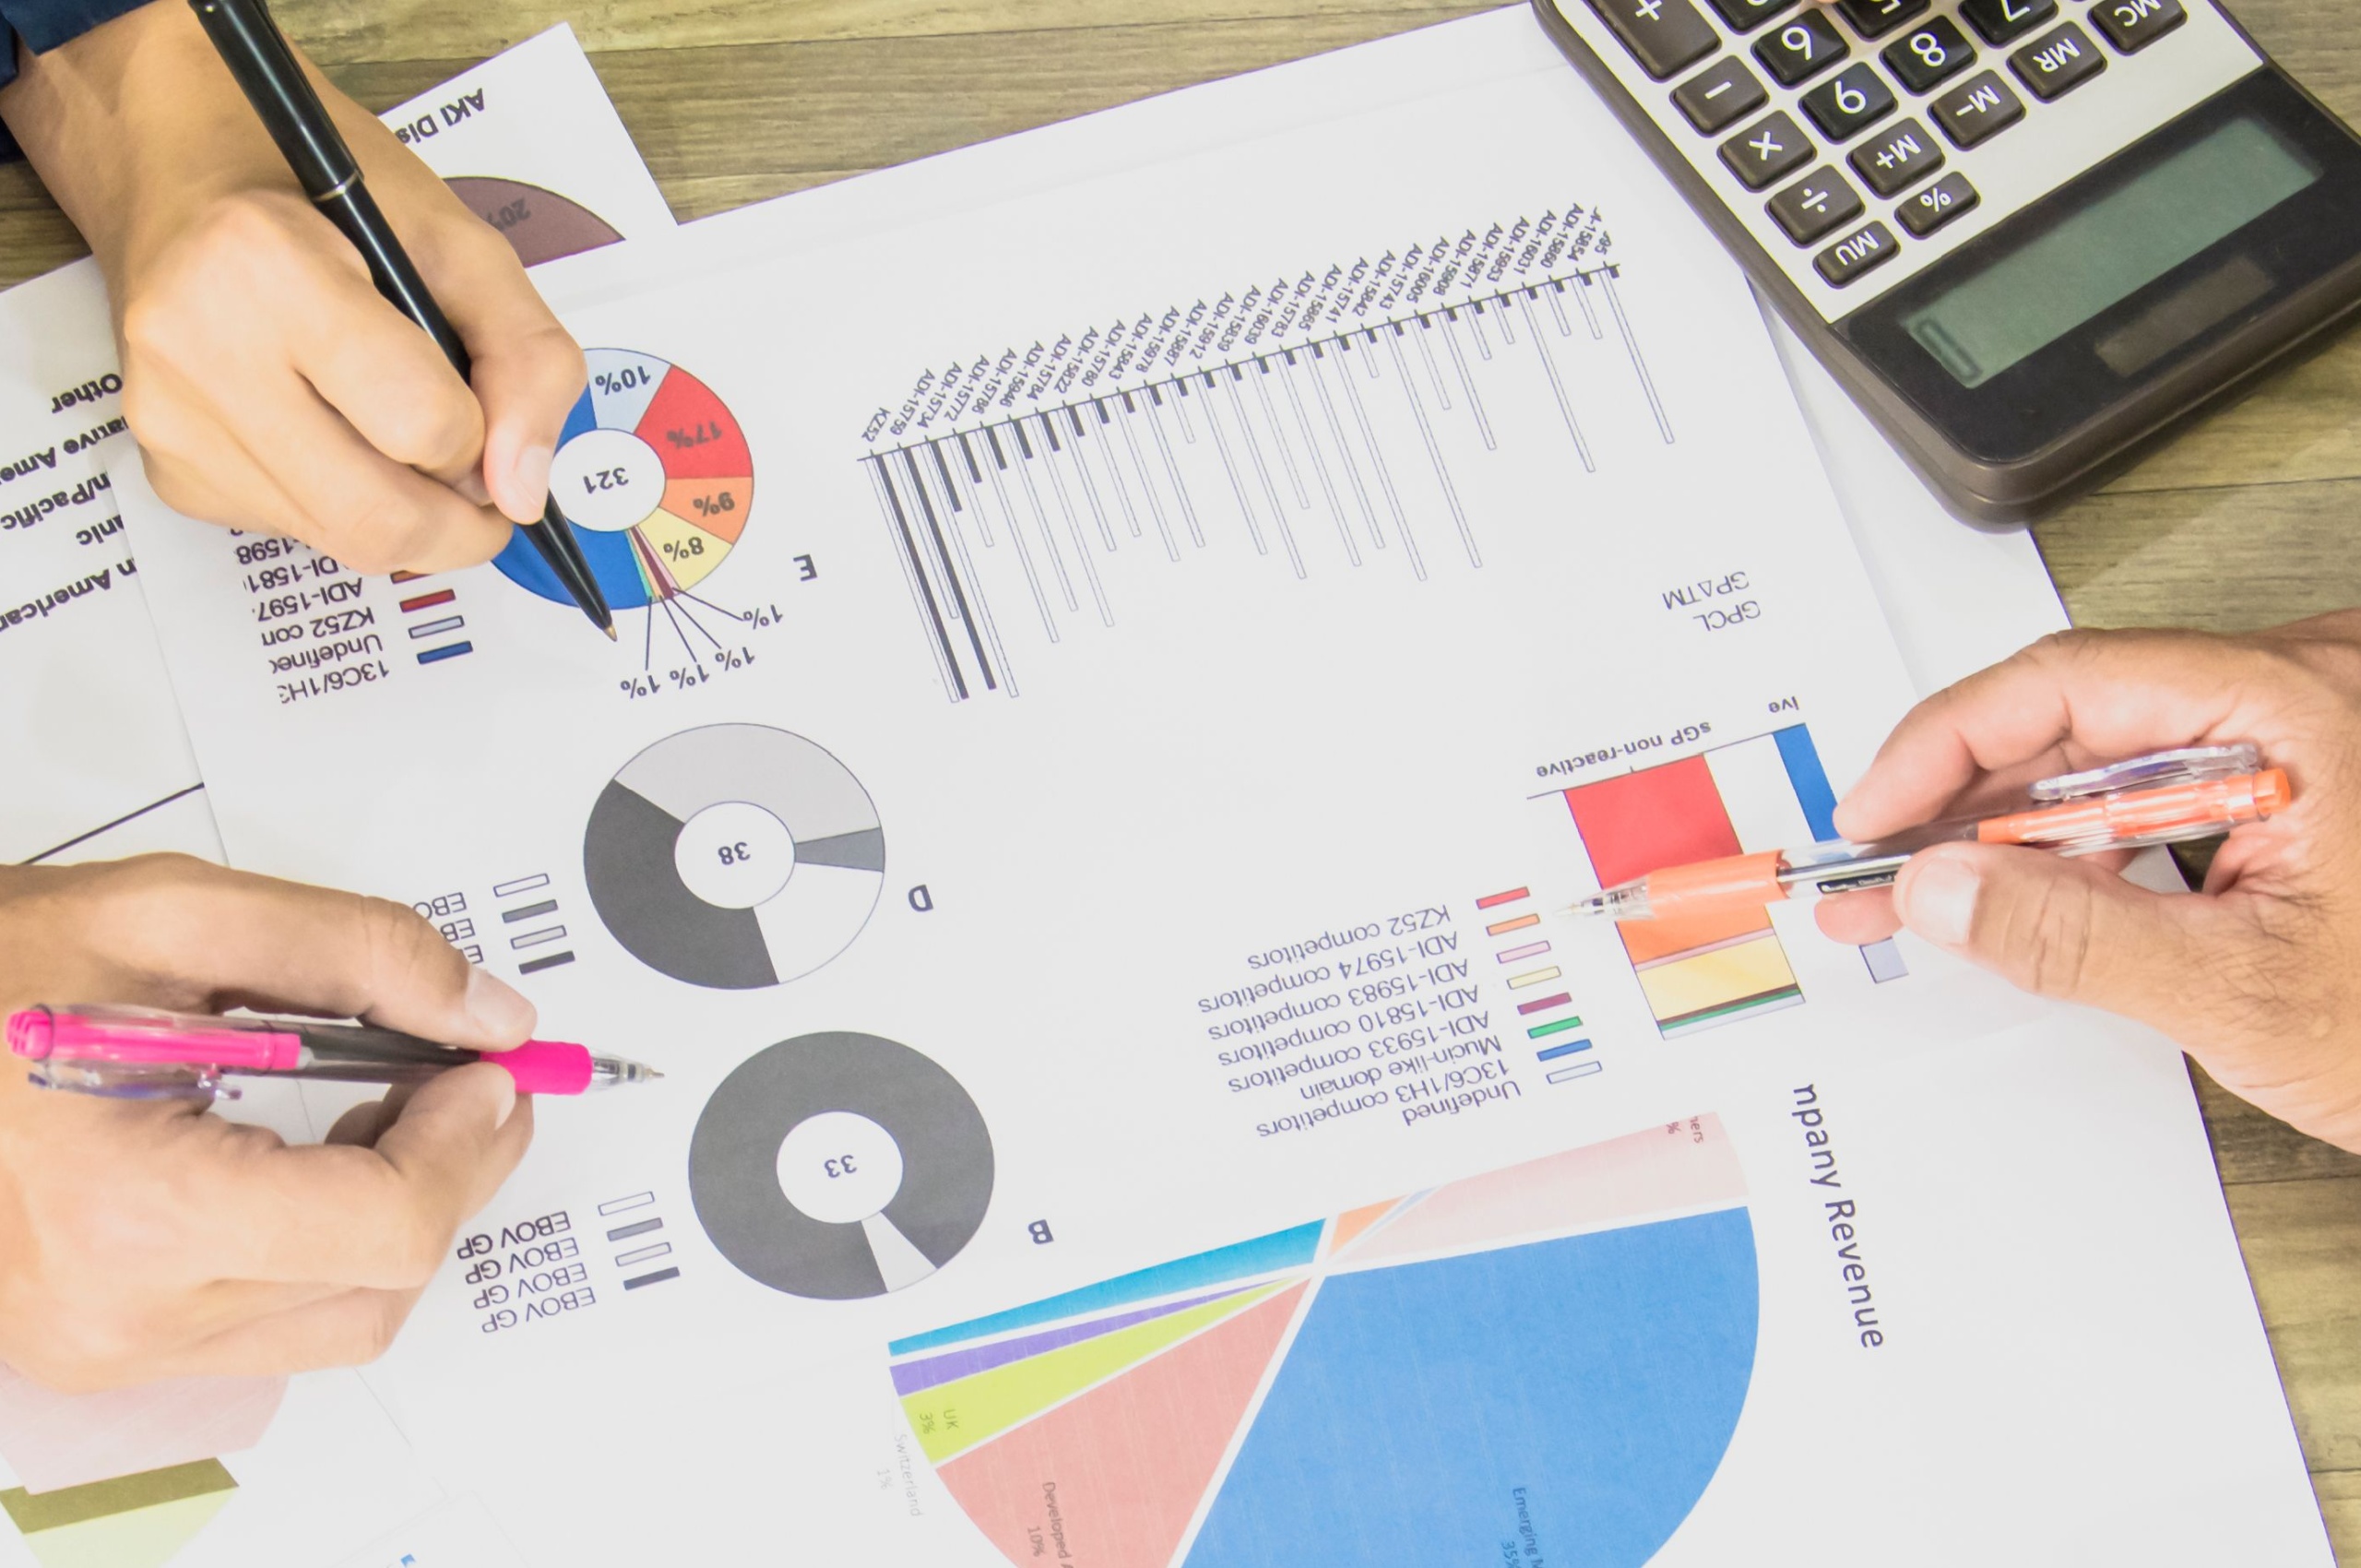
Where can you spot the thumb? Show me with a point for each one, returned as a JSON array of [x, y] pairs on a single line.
[[2055, 926]]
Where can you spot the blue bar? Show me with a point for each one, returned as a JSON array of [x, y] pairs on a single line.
[[1810, 778], [1281, 1249], [448, 650], [1555, 1051]]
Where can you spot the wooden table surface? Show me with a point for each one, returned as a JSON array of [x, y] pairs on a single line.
[[2247, 520]]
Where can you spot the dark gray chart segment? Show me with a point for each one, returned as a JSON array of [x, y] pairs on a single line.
[[947, 1165], [854, 851], [637, 890]]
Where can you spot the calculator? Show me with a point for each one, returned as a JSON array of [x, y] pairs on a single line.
[[2028, 236]]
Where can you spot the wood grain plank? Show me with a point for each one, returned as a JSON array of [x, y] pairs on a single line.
[[2228, 559], [2300, 1239], [339, 31], [2340, 1495], [2254, 1146]]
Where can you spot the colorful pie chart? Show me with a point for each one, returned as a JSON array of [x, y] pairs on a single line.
[[654, 478]]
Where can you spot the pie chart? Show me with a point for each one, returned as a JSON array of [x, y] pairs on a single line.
[[654, 477], [1541, 1365], [734, 856], [538, 224], [840, 1165]]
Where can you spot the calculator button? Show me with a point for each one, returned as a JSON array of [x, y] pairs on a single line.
[[1898, 158], [2000, 20], [1746, 15], [1937, 204], [1766, 151], [2057, 62], [1720, 94], [1875, 19], [2132, 25], [1930, 55], [1979, 109], [1846, 101], [1801, 47], [1874, 246], [1663, 36], [1819, 202]]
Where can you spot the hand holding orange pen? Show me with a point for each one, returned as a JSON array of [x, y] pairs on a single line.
[[2164, 797]]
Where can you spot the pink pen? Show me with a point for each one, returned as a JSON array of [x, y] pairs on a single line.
[[140, 1052]]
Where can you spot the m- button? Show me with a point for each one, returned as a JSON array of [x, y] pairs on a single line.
[[1766, 151], [1897, 159]]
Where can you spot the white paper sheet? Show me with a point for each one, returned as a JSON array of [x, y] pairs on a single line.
[[1094, 895], [534, 145]]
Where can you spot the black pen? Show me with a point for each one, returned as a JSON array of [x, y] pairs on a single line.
[[258, 54]]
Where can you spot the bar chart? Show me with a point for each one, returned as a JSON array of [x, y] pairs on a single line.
[[1390, 415]]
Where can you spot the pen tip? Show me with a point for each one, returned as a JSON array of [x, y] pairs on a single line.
[[612, 635]]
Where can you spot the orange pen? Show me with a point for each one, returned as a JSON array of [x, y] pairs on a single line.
[[2161, 799]]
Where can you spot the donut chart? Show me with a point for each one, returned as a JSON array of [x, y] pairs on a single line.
[[537, 223], [654, 476], [734, 856], [840, 1165]]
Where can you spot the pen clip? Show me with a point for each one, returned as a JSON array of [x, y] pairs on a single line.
[[2188, 765]]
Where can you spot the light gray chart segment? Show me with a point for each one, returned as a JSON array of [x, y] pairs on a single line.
[[947, 1165]]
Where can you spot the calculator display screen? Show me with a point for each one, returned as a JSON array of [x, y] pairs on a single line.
[[2032, 296]]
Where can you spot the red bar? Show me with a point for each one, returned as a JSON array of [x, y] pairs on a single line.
[[1670, 815], [1545, 1003], [1496, 900], [429, 600]]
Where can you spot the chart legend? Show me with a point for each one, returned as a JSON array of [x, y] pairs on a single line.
[[1246, 1407], [1547, 1016]]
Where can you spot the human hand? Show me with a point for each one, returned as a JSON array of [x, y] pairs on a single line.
[[268, 383], [2259, 980], [149, 1239]]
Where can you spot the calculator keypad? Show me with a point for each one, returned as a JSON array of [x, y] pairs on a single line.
[[1816, 205], [1977, 110], [1798, 50], [1763, 151], [2057, 62], [1929, 55], [1851, 100], [2004, 22], [1853, 139], [1718, 95], [1663, 36]]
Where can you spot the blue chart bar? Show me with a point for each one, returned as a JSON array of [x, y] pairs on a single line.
[[1568, 1048], [448, 650], [1810, 778]]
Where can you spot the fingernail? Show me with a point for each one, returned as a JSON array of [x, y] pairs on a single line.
[[528, 481], [507, 1092], [497, 1008], [1937, 898]]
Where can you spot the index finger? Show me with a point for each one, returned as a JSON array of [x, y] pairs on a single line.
[[2086, 696]]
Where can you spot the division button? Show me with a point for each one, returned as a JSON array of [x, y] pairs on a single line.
[[1937, 204], [1897, 159], [1875, 19], [1814, 205], [1977, 110], [1801, 47], [2132, 25], [2002, 21], [1766, 151], [1720, 94], [1873, 245], [1663, 36], [1852, 98], [1746, 15], [1930, 55], [2057, 62]]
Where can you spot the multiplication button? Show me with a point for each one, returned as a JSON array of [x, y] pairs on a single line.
[[1898, 158], [1720, 94], [1977, 110], [1815, 205], [1937, 204], [1930, 55], [2132, 25], [1766, 151], [2057, 62], [1663, 36], [1872, 246]]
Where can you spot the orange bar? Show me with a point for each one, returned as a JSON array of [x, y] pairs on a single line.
[[1500, 928]]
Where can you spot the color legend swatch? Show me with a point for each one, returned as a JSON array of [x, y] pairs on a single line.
[[1562, 1346], [1544, 1016]]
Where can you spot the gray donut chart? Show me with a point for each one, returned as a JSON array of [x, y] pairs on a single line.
[[733, 1161], [635, 886]]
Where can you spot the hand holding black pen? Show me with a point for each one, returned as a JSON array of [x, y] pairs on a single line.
[[267, 72]]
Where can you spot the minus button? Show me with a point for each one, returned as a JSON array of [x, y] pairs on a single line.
[[1718, 95]]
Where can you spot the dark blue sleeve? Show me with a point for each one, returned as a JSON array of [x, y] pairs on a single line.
[[43, 25]]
